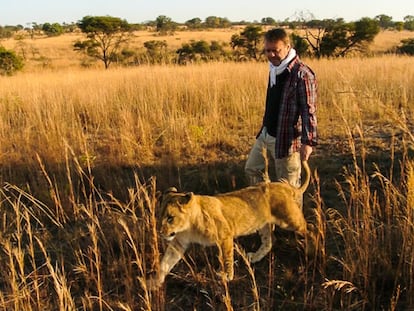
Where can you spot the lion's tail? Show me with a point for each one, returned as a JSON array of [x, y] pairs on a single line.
[[305, 184]]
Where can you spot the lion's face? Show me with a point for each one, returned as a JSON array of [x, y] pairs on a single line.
[[174, 217]]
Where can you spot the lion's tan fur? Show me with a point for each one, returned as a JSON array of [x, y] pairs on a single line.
[[216, 220]]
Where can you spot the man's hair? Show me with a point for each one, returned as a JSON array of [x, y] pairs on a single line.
[[277, 34]]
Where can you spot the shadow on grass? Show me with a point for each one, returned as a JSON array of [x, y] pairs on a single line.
[[280, 277], [206, 178]]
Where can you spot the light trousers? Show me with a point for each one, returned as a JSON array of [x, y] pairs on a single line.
[[288, 168]]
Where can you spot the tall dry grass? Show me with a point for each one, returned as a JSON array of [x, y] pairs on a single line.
[[66, 243], [131, 116]]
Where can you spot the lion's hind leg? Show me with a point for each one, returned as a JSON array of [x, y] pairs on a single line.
[[265, 234]]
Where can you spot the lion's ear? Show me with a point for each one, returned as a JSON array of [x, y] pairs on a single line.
[[186, 198], [170, 189]]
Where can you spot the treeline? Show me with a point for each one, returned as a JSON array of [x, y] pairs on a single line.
[[165, 24], [107, 39], [333, 38]]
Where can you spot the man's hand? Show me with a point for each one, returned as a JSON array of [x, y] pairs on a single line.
[[305, 152]]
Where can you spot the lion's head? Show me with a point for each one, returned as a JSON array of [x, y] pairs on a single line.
[[174, 212]]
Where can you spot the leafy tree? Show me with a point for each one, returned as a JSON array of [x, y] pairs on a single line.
[[384, 21], [268, 21], [248, 41], [195, 50], [9, 62], [361, 32], [337, 38], [106, 35], [409, 22], [194, 23], [399, 26], [224, 22], [52, 30], [216, 22], [301, 45], [165, 25]]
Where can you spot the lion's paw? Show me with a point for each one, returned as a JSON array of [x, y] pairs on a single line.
[[252, 257], [227, 276], [255, 257]]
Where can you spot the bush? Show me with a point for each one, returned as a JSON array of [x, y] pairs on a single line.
[[406, 47], [9, 62], [301, 45], [52, 30]]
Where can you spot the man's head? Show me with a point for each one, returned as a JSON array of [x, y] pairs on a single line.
[[276, 45]]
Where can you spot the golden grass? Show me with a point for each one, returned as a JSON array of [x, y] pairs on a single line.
[[56, 53], [137, 116], [125, 115], [388, 39]]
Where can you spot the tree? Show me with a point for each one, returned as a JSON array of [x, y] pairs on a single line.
[[399, 26], [9, 62], [52, 30], [106, 35], [248, 41], [194, 23], [193, 51], [268, 21], [384, 21], [165, 25], [409, 22], [337, 38], [217, 22], [361, 32], [301, 45]]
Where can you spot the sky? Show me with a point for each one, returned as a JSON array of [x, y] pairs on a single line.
[[24, 12]]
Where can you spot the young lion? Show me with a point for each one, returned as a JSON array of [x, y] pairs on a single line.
[[216, 220]]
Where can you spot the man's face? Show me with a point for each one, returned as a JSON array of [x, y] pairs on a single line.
[[276, 51]]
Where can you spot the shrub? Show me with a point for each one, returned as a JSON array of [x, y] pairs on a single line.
[[406, 47], [9, 62]]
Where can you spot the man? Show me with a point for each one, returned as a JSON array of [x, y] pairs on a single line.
[[289, 124]]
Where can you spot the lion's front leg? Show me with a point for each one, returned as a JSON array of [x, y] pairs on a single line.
[[266, 244], [226, 247], [175, 251]]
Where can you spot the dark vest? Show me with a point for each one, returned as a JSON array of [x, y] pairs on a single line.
[[273, 98]]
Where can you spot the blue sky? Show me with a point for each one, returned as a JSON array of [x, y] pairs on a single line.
[[23, 12]]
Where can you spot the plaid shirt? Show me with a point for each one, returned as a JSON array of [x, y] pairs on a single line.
[[297, 110]]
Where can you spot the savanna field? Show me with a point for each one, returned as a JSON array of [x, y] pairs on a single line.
[[83, 152]]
